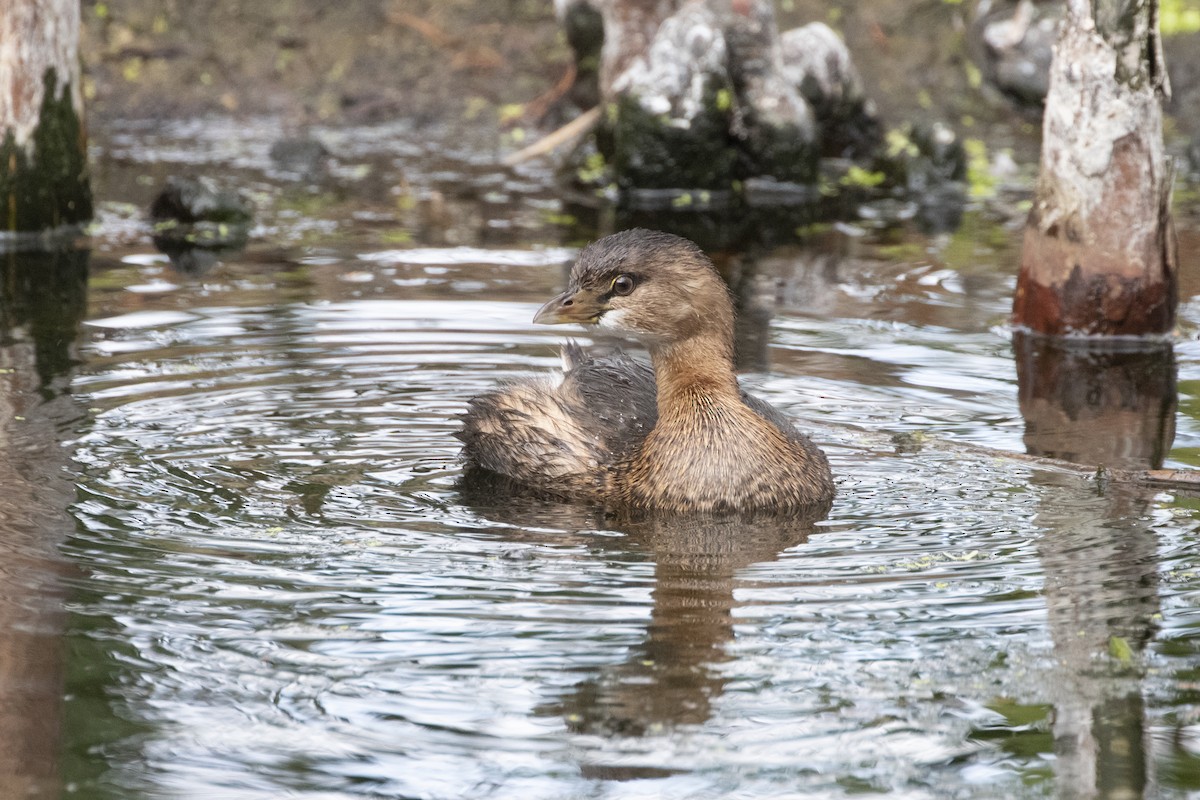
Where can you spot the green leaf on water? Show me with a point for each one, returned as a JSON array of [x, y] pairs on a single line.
[[1120, 650]]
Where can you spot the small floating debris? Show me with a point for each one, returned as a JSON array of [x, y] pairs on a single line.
[[153, 287]]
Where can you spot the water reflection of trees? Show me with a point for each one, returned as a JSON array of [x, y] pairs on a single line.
[[1101, 563], [1113, 407], [1105, 405], [42, 301]]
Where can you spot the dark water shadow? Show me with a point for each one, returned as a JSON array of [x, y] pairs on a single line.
[[42, 303], [672, 677], [195, 260]]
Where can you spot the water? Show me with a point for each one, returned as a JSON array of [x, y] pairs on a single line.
[[274, 587]]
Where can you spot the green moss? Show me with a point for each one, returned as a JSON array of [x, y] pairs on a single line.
[[976, 233], [1185, 194], [980, 179], [974, 76], [858, 177], [812, 229], [559, 219], [899, 144], [1120, 651], [682, 201], [920, 156], [314, 204], [396, 236], [44, 185], [652, 153], [784, 152], [594, 169], [904, 251]]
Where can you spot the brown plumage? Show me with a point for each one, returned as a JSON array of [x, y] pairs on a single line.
[[679, 437]]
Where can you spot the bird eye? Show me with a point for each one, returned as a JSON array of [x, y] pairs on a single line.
[[622, 284]]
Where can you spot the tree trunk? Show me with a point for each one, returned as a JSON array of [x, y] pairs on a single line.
[[629, 28], [1099, 254], [43, 149]]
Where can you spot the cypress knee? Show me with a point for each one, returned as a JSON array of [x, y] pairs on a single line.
[[1099, 255]]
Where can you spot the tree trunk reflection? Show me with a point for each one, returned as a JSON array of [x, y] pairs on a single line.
[[1109, 406], [1101, 563], [42, 300], [1103, 404]]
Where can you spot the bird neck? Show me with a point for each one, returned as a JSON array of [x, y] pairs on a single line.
[[696, 372]]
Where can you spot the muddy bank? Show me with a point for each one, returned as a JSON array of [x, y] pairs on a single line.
[[317, 61], [492, 67]]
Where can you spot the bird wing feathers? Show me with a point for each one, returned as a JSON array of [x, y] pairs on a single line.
[[563, 434]]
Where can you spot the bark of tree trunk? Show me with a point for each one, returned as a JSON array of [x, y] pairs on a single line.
[[629, 28], [1099, 254], [43, 151]]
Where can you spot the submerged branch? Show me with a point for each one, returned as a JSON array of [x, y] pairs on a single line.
[[1173, 480]]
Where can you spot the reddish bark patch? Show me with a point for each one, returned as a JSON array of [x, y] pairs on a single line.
[[1066, 287]]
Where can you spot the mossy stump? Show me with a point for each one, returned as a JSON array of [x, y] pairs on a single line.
[[44, 181]]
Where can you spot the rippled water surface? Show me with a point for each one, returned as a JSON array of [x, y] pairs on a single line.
[[277, 588]]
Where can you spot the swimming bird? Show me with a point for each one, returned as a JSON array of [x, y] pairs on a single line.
[[676, 435]]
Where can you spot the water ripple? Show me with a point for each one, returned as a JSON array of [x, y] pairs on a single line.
[[287, 593]]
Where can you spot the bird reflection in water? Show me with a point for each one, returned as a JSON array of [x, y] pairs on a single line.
[[672, 677]]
